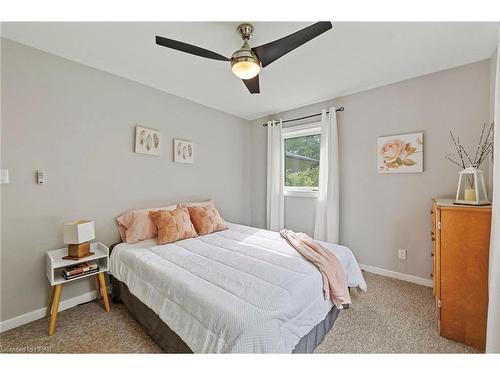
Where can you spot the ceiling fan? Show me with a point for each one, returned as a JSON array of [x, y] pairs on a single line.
[[247, 61]]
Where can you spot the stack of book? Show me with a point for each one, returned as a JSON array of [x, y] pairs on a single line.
[[78, 270]]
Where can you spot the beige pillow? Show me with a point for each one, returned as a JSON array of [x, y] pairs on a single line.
[[206, 220], [208, 203], [173, 225]]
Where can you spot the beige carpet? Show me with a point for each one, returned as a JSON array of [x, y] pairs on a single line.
[[393, 317]]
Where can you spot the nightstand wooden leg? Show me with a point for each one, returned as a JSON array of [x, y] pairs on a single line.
[[51, 299], [55, 309], [104, 291], [98, 288]]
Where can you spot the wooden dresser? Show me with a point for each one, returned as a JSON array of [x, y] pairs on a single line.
[[461, 240]]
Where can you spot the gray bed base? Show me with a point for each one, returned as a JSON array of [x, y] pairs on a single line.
[[170, 342]]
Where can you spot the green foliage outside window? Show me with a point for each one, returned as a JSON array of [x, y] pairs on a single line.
[[302, 160], [308, 177]]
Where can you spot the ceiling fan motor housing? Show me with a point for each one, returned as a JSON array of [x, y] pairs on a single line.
[[245, 53]]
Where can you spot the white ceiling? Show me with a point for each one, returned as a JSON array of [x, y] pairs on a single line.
[[349, 58]]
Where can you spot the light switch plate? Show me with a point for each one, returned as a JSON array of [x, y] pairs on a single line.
[[4, 176]]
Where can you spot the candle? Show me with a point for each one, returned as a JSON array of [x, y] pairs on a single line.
[[470, 195]]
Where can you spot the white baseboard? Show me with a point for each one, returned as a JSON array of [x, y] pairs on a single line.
[[40, 313], [397, 275]]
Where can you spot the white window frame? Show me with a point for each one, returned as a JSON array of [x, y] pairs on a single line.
[[294, 132]]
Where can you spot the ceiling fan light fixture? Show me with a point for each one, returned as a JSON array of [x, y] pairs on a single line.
[[244, 63], [245, 67]]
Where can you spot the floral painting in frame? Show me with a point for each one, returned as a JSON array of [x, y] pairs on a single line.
[[147, 141], [183, 151], [403, 153]]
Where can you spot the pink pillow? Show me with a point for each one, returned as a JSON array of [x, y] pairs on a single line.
[[136, 225], [122, 230]]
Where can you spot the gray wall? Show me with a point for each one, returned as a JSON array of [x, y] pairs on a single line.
[[77, 124], [380, 214]]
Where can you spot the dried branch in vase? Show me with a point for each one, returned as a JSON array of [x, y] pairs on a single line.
[[483, 150]]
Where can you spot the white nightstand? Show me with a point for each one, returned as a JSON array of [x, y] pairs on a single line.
[[55, 267]]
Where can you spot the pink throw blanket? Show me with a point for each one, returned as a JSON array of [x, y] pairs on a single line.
[[332, 271]]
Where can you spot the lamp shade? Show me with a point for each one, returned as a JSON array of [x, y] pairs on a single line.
[[78, 232]]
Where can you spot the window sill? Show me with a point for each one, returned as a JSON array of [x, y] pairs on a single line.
[[303, 194]]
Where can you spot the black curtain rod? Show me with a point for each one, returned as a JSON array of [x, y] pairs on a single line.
[[341, 109]]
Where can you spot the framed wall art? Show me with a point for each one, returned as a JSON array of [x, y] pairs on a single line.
[[403, 153], [147, 141], [183, 151]]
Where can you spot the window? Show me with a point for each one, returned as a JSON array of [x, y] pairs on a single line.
[[301, 145]]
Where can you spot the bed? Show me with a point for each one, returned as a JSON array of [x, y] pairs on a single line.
[[240, 290]]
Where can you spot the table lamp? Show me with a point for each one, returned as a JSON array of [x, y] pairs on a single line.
[[77, 236]]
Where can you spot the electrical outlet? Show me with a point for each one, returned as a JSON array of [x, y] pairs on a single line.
[[402, 254]]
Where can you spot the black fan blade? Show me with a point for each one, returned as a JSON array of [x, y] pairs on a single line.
[[269, 52], [252, 84], [189, 48]]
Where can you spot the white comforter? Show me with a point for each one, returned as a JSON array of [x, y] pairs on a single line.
[[239, 290]]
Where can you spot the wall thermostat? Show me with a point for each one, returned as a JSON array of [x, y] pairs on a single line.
[[40, 177]]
